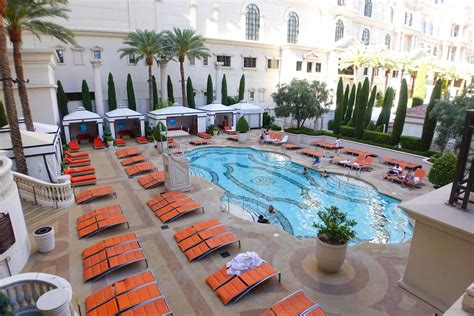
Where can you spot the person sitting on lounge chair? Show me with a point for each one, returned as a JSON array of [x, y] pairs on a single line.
[[337, 143], [408, 180], [395, 171], [261, 137], [262, 220], [324, 174], [267, 138], [316, 160]]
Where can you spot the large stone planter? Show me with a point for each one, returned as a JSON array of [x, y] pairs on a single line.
[[242, 137], [44, 237], [330, 257]]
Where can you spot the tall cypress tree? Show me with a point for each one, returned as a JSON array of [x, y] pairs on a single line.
[[62, 100], [155, 92], [360, 117], [401, 114], [86, 96], [111, 92], [345, 103], [169, 86], [356, 104], [190, 93], [339, 107], [224, 90], [132, 102], [241, 88], [3, 116], [384, 116], [370, 105], [429, 124], [350, 105], [209, 90]]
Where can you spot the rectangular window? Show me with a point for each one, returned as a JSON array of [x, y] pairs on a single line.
[[252, 95], [60, 54], [192, 61], [132, 59], [78, 59], [366, 71], [261, 95], [205, 61], [250, 62], [317, 67], [224, 59], [299, 65], [97, 54], [273, 63], [309, 67]]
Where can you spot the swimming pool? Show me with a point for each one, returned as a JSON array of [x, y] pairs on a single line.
[[256, 179]]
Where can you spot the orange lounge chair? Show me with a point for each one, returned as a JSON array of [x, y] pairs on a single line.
[[170, 200], [120, 142], [98, 143], [228, 130], [180, 211], [201, 236], [139, 168], [356, 152], [291, 146], [231, 288], [77, 181], [98, 211], [210, 245], [155, 307], [112, 258], [101, 222], [111, 291], [74, 156], [142, 140], [419, 176], [162, 196], [233, 138], [200, 142], [132, 160], [195, 228], [295, 304], [127, 152], [204, 135], [152, 180], [77, 162], [94, 193], [310, 152], [73, 146], [161, 209], [80, 171], [361, 163], [107, 243]]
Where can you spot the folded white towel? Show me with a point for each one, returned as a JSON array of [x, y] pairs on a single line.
[[243, 262]]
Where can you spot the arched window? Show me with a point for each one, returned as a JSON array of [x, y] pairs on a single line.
[[368, 8], [293, 28], [339, 30], [410, 20], [429, 28], [423, 26], [388, 40], [366, 37], [252, 22], [435, 51], [341, 2], [406, 18], [392, 14]]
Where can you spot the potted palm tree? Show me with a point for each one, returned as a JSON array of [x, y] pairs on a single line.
[[334, 231], [161, 141], [242, 129]]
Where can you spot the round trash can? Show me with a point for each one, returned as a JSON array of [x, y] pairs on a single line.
[[54, 303], [44, 237]]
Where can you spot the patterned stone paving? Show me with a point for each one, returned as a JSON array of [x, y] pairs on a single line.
[[366, 285]]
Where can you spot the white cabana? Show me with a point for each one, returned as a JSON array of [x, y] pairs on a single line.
[[252, 113], [220, 115], [83, 125], [42, 153], [177, 117], [124, 121]]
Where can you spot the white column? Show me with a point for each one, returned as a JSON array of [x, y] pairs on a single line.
[[66, 133], [163, 80], [219, 81], [99, 100], [142, 127], [100, 129], [112, 129]]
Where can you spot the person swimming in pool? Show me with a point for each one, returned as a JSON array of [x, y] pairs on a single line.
[[324, 174], [305, 171], [271, 210]]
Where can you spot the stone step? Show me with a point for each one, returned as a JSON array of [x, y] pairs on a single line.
[[35, 214]]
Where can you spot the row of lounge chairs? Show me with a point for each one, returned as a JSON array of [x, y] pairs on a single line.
[[100, 219], [172, 205], [79, 169]]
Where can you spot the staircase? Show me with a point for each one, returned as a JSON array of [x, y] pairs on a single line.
[[35, 214]]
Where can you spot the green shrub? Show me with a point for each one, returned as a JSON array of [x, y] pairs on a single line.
[[132, 102], [224, 90], [3, 116], [5, 305], [416, 101], [377, 137], [371, 126], [348, 131], [157, 136], [190, 93], [308, 131], [442, 171], [241, 88], [210, 129], [410, 142], [331, 125], [169, 88], [209, 90], [335, 228], [273, 127], [62, 102], [401, 114], [86, 96], [107, 132], [111, 92], [267, 119], [429, 125], [242, 125]]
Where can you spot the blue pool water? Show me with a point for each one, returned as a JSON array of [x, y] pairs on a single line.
[[258, 179]]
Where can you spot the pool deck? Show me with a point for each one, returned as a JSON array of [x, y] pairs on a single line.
[[366, 285]]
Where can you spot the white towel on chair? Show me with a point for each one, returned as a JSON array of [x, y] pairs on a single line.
[[243, 262]]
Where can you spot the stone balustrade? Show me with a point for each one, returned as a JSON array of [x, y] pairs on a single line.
[[44, 193], [23, 291]]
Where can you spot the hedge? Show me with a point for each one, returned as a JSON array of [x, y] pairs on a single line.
[[410, 142], [348, 131], [377, 137], [308, 131], [331, 125]]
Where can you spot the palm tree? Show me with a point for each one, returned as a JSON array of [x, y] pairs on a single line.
[[35, 17], [186, 43], [388, 64], [143, 44], [375, 57], [355, 58], [165, 55], [10, 106]]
